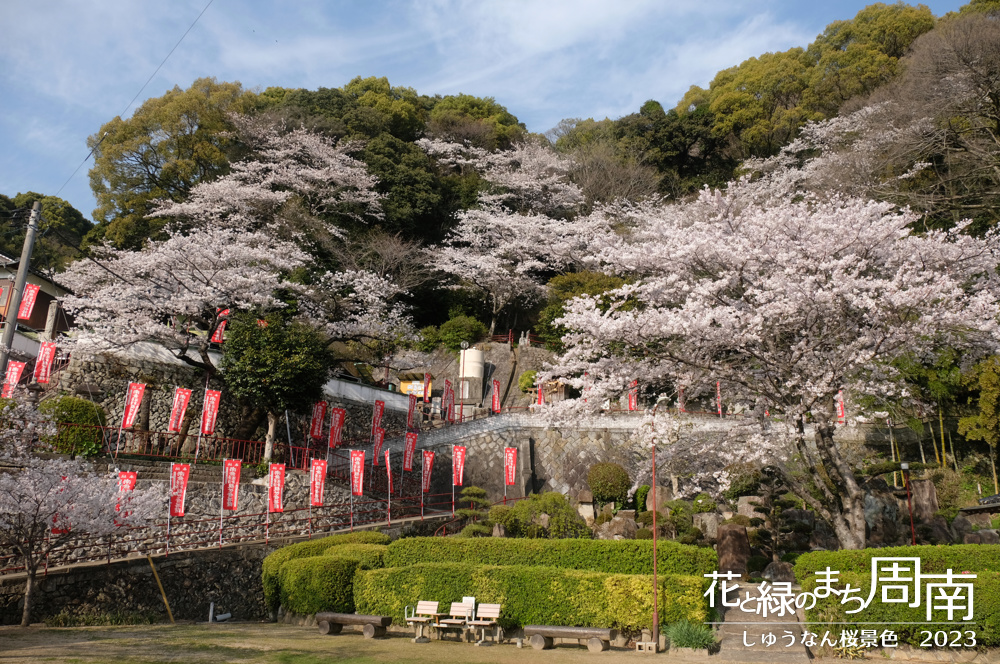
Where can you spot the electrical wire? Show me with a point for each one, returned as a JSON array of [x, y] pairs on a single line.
[[129, 105]]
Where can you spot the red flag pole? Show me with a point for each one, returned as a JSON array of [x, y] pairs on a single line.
[[222, 503], [352, 494]]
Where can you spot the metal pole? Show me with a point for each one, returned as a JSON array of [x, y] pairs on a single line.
[[10, 321], [222, 501]]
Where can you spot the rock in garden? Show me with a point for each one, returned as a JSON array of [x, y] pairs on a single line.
[[733, 548], [617, 529], [779, 572]]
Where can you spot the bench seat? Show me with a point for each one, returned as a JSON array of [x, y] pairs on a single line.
[[332, 623], [598, 638]]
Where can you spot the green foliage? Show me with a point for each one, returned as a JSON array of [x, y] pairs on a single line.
[[169, 144], [60, 224], [609, 482], [899, 617], [744, 481], [518, 520], [479, 120], [756, 564], [640, 497], [644, 534], [613, 557], [89, 617], [685, 634], [534, 595], [476, 530], [282, 365], [952, 492], [429, 338], [473, 501], [73, 410], [739, 520], [526, 381], [319, 583], [459, 329], [703, 504], [933, 559], [317, 547], [368, 556], [985, 425], [564, 288]]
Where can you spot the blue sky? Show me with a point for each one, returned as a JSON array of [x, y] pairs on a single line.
[[66, 67]]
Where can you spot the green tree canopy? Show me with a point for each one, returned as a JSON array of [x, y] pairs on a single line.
[[60, 227]]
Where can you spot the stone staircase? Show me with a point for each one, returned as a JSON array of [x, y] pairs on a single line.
[[744, 635]]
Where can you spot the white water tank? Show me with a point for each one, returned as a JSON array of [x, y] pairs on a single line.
[[471, 364]]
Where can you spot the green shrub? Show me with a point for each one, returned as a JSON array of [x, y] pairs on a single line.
[[609, 483], [476, 530], [614, 557], [899, 617], [526, 381], [319, 583], [80, 441], [429, 338], [933, 559], [369, 556], [791, 557], [272, 564], [756, 564], [685, 634], [564, 520], [534, 595], [744, 480], [644, 534], [640, 497], [89, 616], [703, 503], [459, 329], [739, 520]]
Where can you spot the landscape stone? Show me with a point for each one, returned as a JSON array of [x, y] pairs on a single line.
[[733, 548], [708, 524], [499, 530], [617, 529], [746, 504], [779, 572], [924, 497], [989, 537], [664, 495]]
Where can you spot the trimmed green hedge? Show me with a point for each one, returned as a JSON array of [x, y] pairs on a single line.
[[370, 556], [830, 610], [610, 556], [933, 559], [534, 595], [272, 564], [319, 583]]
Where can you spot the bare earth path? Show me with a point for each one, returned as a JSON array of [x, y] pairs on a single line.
[[264, 643]]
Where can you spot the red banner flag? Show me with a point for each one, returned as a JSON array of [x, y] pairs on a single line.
[[28, 298], [409, 449], [428, 467], [841, 412], [230, 483], [317, 480], [379, 439], [179, 473], [509, 465], [377, 415], [182, 397], [221, 327], [210, 411], [337, 417], [496, 395], [126, 483], [358, 472], [427, 387], [43, 363], [388, 471], [457, 464], [718, 397], [318, 419], [14, 369], [633, 396], [410, 411], [133, 400], [276, 487], [541, 395]]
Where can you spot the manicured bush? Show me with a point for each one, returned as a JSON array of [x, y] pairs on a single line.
[[609, 483], [526, 381], [476, 530], [272, 564], [685, 634], [81, 441], [459, 329], [640, 497], [610, 556], [933, 559], [644, 534], [369, 556], [319, 583], [908, 623], [703, 503], [429, 338], [534, 595], [519, 519]]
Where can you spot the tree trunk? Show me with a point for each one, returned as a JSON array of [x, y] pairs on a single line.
[[272, 428], [186, 443], [250, 421], [29, 596]]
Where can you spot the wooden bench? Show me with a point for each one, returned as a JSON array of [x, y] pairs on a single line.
[[461, 613], [487, 616], [425, 613], [333, 623], [598, 639]]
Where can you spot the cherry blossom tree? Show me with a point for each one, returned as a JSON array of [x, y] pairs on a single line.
[[46, 503], [786, 299]]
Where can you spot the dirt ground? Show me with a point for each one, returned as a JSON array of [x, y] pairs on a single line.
[[263, 643]]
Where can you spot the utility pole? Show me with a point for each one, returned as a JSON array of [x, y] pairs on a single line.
[[10, 322]]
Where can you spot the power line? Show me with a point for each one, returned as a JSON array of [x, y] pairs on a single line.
[[129, 105]]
